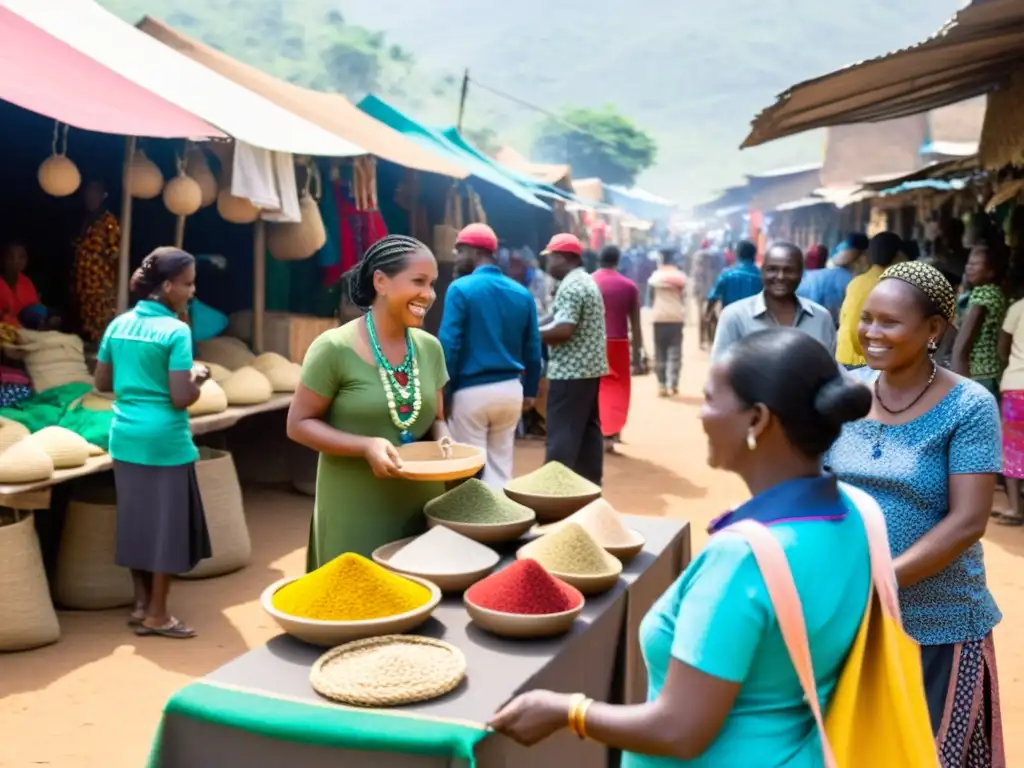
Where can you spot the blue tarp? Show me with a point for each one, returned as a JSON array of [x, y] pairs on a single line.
[[434, 140]]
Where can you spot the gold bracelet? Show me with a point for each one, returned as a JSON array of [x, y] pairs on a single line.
[[574, 704], [581, 718]]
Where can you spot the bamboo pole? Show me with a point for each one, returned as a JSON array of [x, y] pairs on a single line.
[[259, 283], [179, 232], [124, 255]]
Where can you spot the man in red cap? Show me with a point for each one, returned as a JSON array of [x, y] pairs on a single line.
[[491, 340], [577, 360]]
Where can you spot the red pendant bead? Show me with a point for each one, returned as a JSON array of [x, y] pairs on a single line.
[[401, 378], [524, 587], [403, 409]]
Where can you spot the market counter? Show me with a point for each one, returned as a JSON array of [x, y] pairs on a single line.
[[261, 712]]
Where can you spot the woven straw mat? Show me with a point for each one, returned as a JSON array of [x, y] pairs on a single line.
[[388, 671]]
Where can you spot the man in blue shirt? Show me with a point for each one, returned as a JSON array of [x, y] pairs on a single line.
[[740, 281], [491, 339], [828, 286]]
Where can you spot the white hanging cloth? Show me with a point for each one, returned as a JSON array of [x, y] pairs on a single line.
[[268, 180]]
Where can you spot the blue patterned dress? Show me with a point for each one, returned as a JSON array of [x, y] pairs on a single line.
[[906, 468]]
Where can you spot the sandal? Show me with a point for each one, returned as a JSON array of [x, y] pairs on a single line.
[[1010, 521], [173, 629], [136, 617]]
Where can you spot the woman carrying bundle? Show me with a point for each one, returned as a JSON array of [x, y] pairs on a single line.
[[145, 359], [370, 385]]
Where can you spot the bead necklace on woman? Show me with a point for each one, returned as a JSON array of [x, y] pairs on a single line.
[[929, 452], [366, 387]]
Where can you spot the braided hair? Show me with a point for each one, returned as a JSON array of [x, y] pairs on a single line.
[[387, 255], [159, 266]]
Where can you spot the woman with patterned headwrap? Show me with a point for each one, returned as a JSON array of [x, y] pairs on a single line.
[[929, 452]]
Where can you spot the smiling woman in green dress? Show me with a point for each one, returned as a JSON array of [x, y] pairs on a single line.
[[374, 383]]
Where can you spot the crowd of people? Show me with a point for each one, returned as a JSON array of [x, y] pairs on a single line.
[[891, 389]]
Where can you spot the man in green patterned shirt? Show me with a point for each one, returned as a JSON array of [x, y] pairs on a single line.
[[577, 359]]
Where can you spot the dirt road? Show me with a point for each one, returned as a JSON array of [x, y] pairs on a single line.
[[93, 700]]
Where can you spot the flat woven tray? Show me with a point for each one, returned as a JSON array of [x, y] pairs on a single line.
[[388, 671]]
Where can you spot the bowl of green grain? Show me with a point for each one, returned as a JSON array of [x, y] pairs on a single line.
[[553, 492], [478, 512]]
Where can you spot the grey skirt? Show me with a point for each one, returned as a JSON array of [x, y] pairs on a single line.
[[161, 525]]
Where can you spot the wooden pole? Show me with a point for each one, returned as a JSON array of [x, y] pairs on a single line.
[[462, 99], [179, 232], [124, 256], [259, 283]]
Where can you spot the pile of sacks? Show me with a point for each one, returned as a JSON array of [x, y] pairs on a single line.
[[238, 377], [31, 458]]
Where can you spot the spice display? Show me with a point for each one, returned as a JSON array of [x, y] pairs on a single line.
[[442, 550], [350, 588], [476, 502], [553, 479], [524, 587], [601, 521], [570, 549]]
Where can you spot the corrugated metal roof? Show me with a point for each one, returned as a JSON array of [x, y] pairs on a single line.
[[974, 53]]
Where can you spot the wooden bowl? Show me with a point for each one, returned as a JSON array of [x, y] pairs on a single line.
[[586, 584], [522, 626], [451, 580], [627, 552], [624, 552], [486, 533], [424, 461], [551, 509], [331, 633]]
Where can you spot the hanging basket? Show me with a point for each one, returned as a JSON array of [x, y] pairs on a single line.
[[289, 241], [87, 576], [145, 180], [225, 516], [183, 196], [27, 618]]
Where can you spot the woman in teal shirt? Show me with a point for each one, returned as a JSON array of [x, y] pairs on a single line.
[[145, 358], [722, 691]]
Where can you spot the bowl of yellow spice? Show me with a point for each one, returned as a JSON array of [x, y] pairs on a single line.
[[349, 598]]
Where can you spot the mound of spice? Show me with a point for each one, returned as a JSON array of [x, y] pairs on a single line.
[[476, 502], [570, 549], [526, 588], [553, 479], [442, 550], [350, 588], [601, 521]]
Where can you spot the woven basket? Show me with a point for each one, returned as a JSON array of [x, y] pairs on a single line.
[[225, 515], [27, 618], [388, 671], [87, 576]]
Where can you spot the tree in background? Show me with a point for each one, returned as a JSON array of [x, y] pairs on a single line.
[[596, 142]]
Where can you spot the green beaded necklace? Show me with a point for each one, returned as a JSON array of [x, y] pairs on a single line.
[[401, 383]]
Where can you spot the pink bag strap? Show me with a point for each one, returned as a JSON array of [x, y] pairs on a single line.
[[782, 591]]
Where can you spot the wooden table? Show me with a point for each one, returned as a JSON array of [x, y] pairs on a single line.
[[32, 496]]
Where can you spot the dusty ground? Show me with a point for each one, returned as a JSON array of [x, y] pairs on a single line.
[[93, 699]]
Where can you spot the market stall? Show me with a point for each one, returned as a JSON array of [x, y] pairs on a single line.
[[260, 710]]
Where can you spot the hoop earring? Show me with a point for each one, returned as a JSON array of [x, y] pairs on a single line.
[[751, 441], [933, 346]]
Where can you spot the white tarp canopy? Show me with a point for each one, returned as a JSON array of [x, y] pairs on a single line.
[[239, 112]]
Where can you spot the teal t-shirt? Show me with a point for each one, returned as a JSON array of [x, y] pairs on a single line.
[[717, 617], [143, 345]]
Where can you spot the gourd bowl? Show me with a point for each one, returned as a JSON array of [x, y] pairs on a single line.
[[451, 578], [486, 533], [331, 633], [425, 461]]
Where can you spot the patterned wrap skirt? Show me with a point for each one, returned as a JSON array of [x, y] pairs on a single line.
[[1013, 433]]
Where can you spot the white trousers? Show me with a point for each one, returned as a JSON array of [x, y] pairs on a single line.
[[487, 416]]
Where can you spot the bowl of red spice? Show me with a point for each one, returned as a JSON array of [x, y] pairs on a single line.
[[523, 600]]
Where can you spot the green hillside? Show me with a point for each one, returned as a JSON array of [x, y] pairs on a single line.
[[692, 74]]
